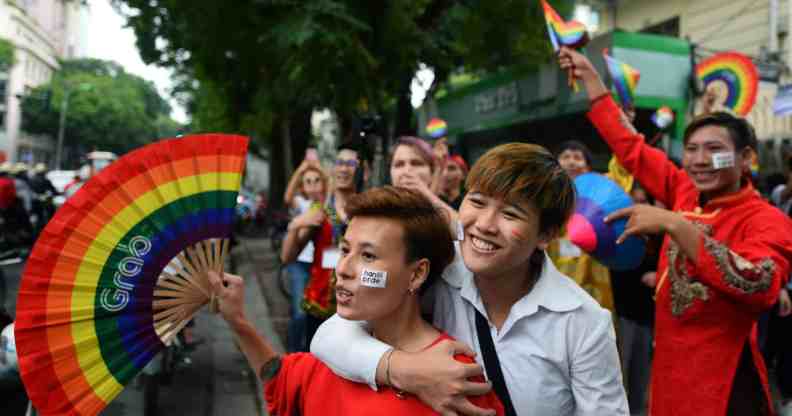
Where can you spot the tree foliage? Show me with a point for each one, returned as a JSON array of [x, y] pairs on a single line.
[[6, 55], [258, 66], [108, 108]]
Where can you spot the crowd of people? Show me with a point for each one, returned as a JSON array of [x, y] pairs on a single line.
[[408, 294]]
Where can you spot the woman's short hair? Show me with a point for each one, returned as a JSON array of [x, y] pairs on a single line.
[[423, 149], [526, 173], [740, 130], [426, 234]]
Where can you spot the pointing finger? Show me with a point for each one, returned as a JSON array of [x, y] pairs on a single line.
[[621, 213]]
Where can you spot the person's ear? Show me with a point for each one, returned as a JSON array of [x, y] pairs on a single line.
[[746, 158], [419, 275]]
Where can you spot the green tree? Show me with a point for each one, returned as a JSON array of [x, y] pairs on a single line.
[[108, 108], [260, 66], [6, 55]]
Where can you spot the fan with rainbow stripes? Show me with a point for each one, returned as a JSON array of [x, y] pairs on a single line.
[[122, 267]]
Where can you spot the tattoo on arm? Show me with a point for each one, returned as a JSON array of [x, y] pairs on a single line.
[[270, 369]]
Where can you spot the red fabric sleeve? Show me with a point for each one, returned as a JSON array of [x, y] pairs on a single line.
[[486, 401], [650, 166], [284, 394], [751, 269]]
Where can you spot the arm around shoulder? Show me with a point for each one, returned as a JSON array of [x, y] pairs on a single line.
[[349, 350]]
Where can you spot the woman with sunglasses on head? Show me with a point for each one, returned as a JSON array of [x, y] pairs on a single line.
[[306, 190], [323, 225], [395, 246]]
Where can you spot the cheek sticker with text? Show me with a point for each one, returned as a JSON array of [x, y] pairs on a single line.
[[373, 278], [723, 160]]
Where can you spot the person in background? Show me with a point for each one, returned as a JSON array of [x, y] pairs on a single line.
[[575, 158], [324, 226], [43, 192], [414, 166], [306, 190], [632, 297], [453, 177], [549, 348], [725, 258], [395, 246], [22, 183]]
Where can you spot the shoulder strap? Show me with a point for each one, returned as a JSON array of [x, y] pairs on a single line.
[[492, 363]]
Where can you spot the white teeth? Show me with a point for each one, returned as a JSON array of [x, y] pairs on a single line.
[[482, 245]]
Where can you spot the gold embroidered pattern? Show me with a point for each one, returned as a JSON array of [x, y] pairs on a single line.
[[738, 272], [684, 291]]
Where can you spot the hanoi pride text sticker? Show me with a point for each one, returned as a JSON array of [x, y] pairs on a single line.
[[373, 278], [722, 160]]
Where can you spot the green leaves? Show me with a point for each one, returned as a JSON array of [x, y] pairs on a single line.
[[6, 55], [108, 109]]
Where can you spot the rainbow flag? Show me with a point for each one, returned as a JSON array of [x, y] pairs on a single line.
[[437, 128], [663, 117], [738, 73], [572, 33], [625, 79]]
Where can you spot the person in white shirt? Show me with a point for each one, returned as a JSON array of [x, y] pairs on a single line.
[[307, 188], [554, 346]]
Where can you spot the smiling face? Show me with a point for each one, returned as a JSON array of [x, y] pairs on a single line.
[[344, 169], [408, 162], [698, 163], [375, 244], [573, 162], [500, 236]]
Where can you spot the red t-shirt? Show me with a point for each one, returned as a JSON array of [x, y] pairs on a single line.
[[305, 386]]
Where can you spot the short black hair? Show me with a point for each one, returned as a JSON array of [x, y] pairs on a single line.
[[578, 146], [740, 130]]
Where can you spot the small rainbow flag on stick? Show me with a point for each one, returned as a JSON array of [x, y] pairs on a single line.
[[625, 78], [437, 128], [663, 117], [571, 34]]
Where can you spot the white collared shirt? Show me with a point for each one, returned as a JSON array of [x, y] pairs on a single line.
[[557, 347]]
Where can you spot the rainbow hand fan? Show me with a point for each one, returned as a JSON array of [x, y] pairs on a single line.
[[121, 268], [738, 73], [598, 197]]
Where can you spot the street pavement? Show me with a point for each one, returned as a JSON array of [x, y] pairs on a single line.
[[218, 381]]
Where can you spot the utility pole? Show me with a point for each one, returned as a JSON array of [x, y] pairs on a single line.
[[67, 90]]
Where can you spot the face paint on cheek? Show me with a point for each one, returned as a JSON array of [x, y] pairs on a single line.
[[374, 278], [723, 160], [518, 235]]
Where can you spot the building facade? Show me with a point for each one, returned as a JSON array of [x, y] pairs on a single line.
[[42, 32], [761, 29]]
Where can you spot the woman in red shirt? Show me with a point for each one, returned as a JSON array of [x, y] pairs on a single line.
[[395, 245]]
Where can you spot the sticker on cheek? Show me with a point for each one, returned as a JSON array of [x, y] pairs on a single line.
[[723, 160], [373, 278]]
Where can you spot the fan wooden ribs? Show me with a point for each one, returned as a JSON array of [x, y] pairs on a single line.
[[181, 292]]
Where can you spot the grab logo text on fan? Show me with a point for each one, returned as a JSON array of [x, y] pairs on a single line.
[[116, 299]]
